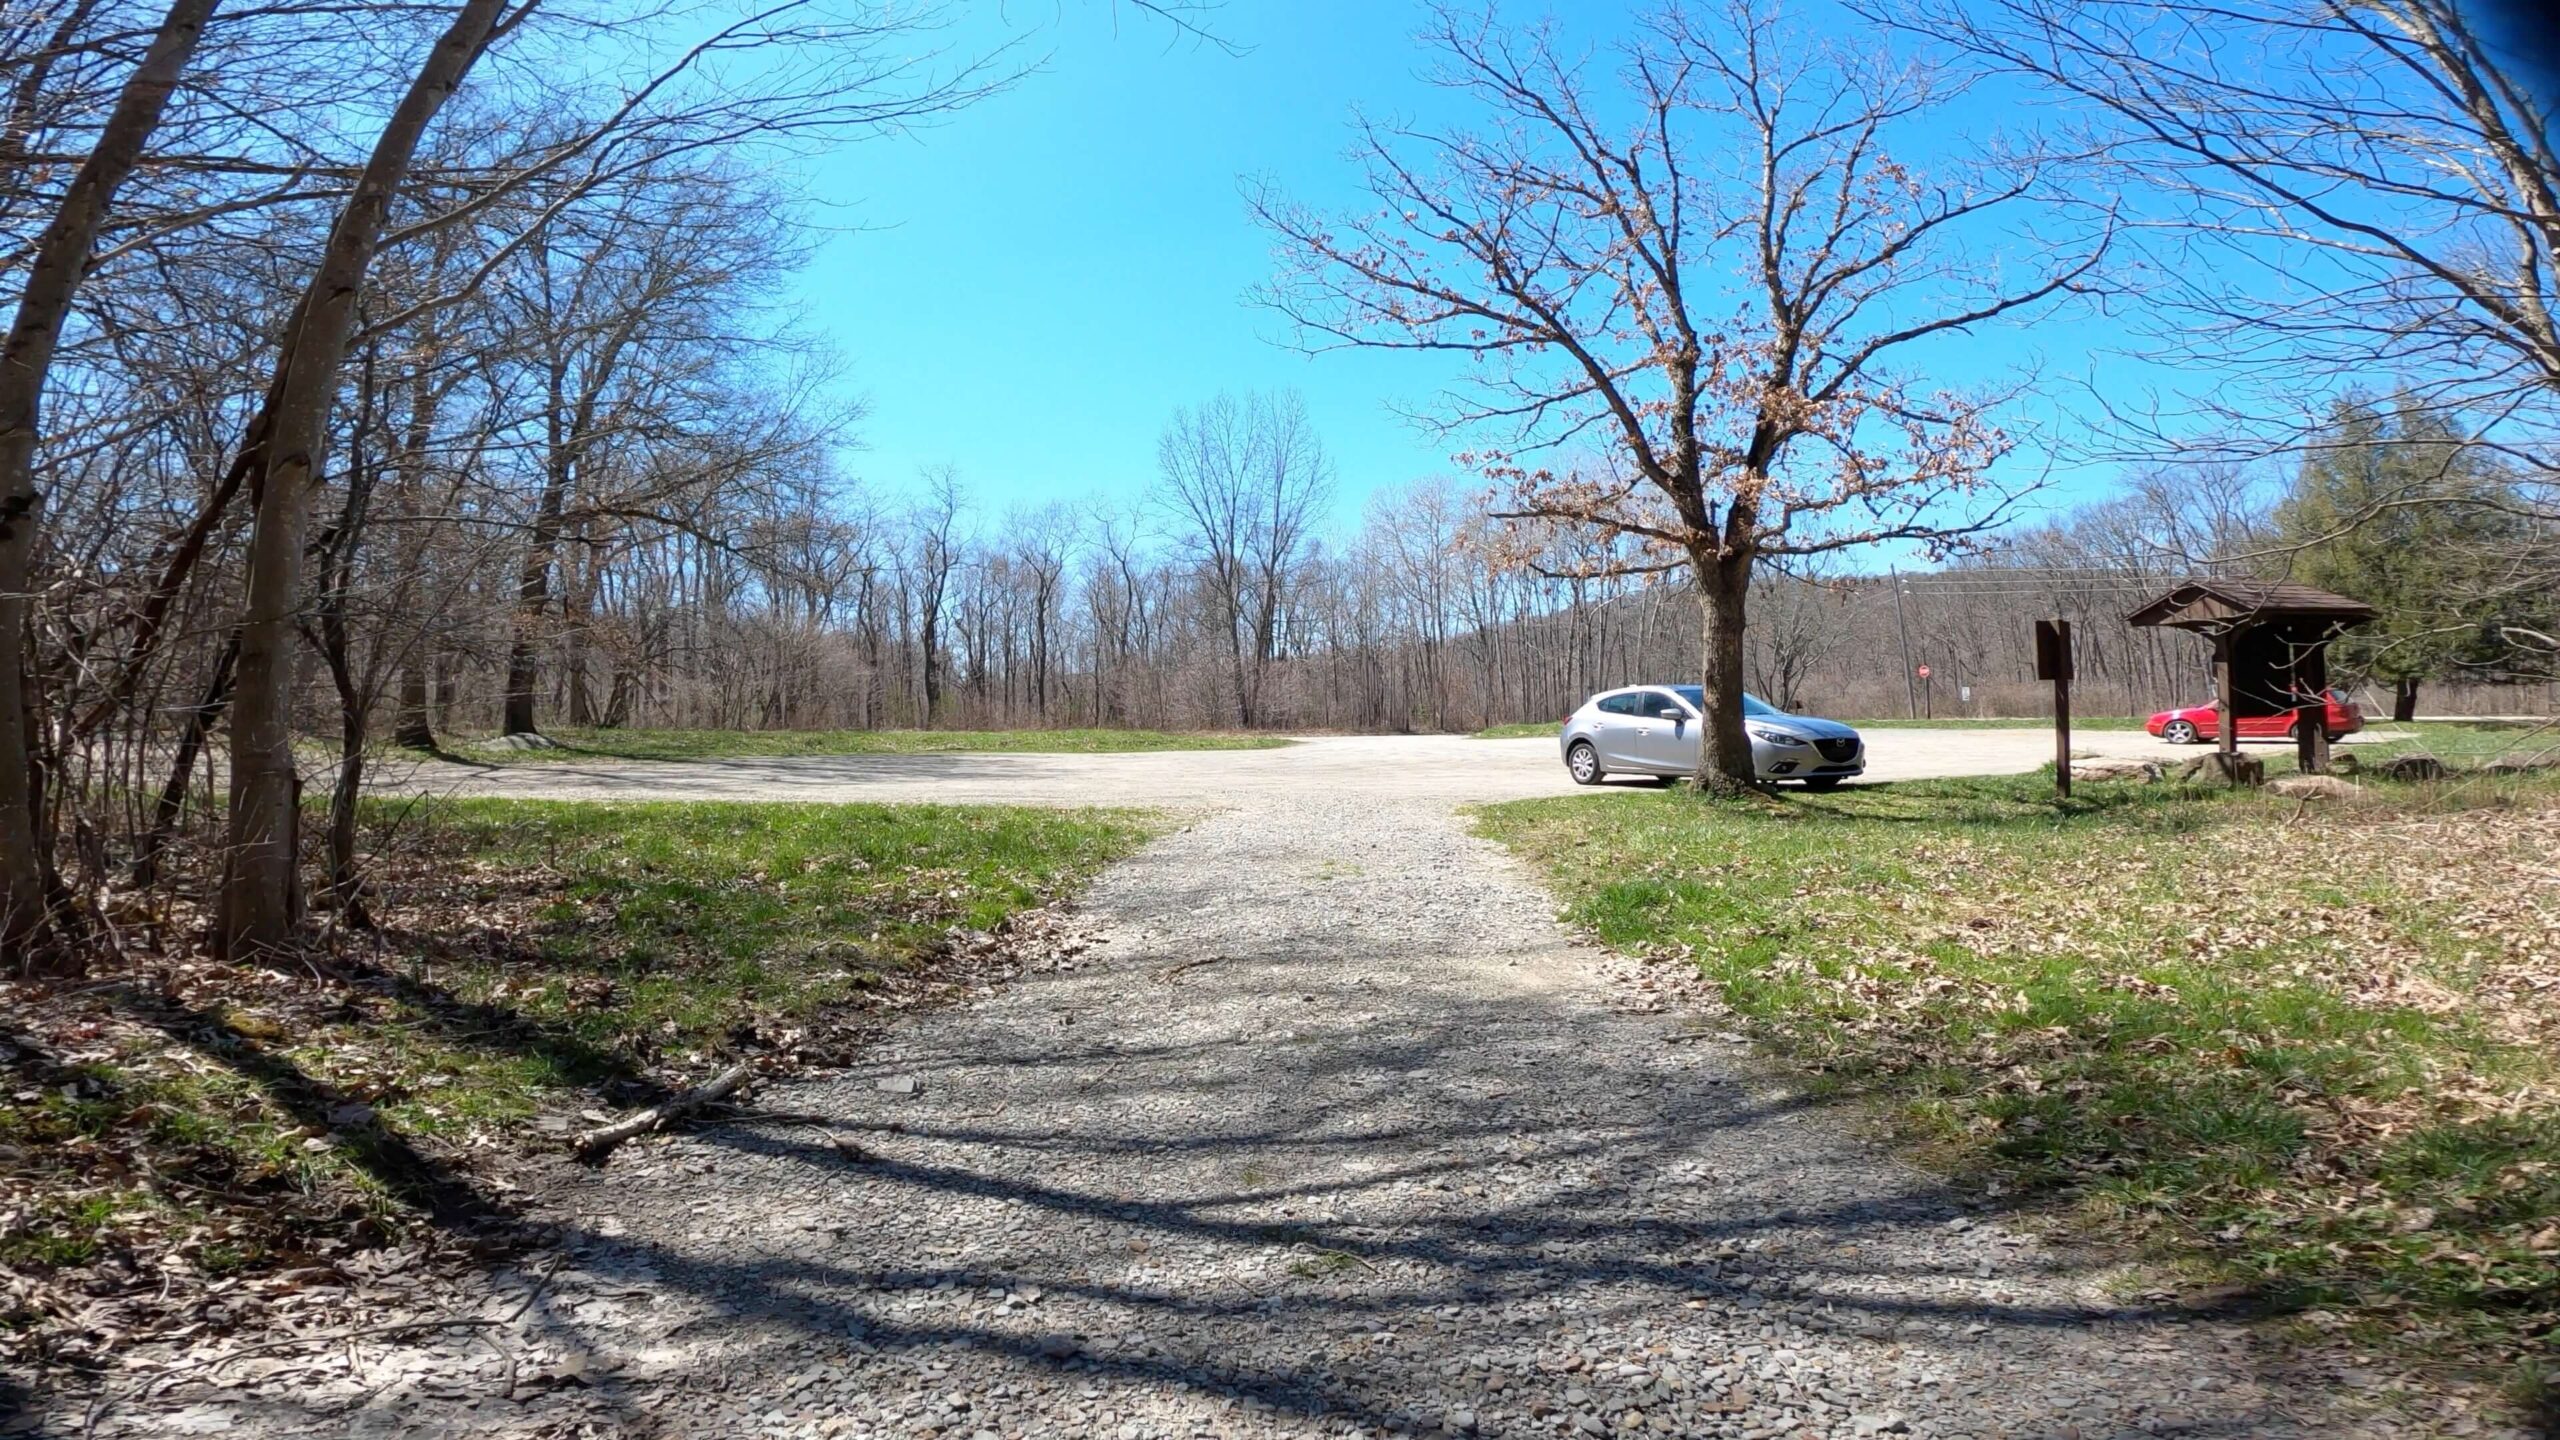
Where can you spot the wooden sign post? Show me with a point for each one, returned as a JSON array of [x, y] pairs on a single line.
[[2053, 662]]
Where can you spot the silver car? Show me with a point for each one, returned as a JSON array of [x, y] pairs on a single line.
[[1654, 729]]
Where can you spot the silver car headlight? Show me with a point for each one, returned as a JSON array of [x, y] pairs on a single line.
[[1779, 737]]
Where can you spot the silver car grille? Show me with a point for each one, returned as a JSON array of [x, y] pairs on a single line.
[[1837, 750]]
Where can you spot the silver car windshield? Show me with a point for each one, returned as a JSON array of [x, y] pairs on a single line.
[[1696, 695]]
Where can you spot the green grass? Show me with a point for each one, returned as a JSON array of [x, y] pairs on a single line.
[[662, 929], [1532, 730], [2018, 722], [2327, 1076], [536, 956], [2458, 742], [581, 744]]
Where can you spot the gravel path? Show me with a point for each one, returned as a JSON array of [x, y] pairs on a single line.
[[1333, 1131]]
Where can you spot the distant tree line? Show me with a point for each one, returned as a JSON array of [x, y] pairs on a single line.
[[1216, 596]]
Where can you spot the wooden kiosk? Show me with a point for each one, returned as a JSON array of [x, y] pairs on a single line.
[[2270, 652]]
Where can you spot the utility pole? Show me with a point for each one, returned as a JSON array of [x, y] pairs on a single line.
[[1910, 692]]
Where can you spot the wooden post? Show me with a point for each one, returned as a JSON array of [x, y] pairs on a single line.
[[2226, 690], [2311, 725], [2053, 662], [2235, 768], [2062, 734]]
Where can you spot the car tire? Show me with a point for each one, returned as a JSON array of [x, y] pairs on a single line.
[[2180, 732], [1824, 782], [1583, 763]]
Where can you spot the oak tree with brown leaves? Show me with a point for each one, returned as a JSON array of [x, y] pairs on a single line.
[[1694, 292]]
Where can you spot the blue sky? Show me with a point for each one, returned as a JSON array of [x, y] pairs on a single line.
[[1042, 278]]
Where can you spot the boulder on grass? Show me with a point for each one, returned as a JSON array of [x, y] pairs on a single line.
[[521, 742], [2414, 766], [2234, 769], [2316, 787], [2519, 764], [2117, 770]]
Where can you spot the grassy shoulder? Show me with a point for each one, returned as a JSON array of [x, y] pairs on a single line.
[[1531, 730], [1547, 729], [2012, 722], [2310, 1055], [586, 744], [535, 959], [2461, 742]]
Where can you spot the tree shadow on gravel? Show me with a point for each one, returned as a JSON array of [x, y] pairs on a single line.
[[1306, 1238]]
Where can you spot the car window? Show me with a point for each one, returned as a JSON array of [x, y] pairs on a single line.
[[1663, 706], [1623, 704], [1696, 695]]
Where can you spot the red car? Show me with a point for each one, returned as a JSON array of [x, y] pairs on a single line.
[[2202, 724]]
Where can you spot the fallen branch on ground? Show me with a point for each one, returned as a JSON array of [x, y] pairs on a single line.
[[594, 1145]]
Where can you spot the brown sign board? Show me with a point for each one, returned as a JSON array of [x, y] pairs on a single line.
[[2053, 650]]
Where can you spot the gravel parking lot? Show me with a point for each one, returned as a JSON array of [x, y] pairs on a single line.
[[1444, 768]]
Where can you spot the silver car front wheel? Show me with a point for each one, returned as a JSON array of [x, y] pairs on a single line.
[[1583, 763]]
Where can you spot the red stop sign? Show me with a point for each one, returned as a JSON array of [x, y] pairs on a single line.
[[1923, 672]]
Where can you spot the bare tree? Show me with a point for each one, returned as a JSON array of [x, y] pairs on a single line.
[[2338, 187], [1577, 258], [1804, 621], [935, 550], [1245, 482], [259, 901]]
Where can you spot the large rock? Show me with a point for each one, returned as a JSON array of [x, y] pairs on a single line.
[[2316, 787], [2119, 769], [521, 742], [2209, 767], [2523, 761], [2417, 765]]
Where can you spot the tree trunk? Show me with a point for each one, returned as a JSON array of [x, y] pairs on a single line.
[[577, 603], [54, 273], [173, 795], [448, 689], [1724, 750], [2404, 700], [929, 634], [257, 912], [411, 726], [355, 705], [617, 710], [533, 599], [346, 882], [1235, 657]]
